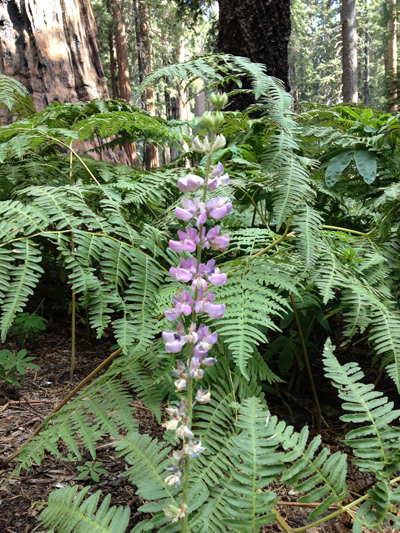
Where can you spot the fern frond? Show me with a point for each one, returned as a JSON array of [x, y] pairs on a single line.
[[68, 511], [320, 474], [15, 97], [249, 305], [374, 444], [24, 278], [256, 466]]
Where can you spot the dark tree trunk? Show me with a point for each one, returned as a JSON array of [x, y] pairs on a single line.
[[349, 51], [259, 30]]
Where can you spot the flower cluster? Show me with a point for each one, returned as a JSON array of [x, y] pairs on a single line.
[[196, 300]]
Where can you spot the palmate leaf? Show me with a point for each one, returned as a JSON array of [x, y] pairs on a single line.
[[68, 512], [376, 444]]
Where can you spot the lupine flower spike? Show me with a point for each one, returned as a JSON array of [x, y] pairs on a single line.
[[195, 300]]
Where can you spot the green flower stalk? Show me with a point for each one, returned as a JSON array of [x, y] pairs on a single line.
[[189, 304]]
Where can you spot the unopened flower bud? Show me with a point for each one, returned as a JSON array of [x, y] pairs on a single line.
[[219, 100], [197, 145], [213, 121], [219, 143]]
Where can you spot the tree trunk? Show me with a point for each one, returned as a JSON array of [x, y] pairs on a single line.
[[349, 51], [259, 30], [122, 53], [393, 55], [123, 69], [112, 66], [51, 48], [367, 71], [150, 151]]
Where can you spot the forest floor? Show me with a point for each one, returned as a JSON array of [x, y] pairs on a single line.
[[23, 409]]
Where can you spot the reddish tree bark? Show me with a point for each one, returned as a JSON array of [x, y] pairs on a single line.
[[150, 151], [123, 69]]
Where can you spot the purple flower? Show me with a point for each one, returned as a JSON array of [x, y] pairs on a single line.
[[212, 274], [195, 449], [175, 340], [218, 179], [208, 361], [187, 241], [218, 207], [185, 271], [207, 341], [191, 209], [204, 304], [217, 243], [190, 184], [195, 371], [183, 304], [218, 171]]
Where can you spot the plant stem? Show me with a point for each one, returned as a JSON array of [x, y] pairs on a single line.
[[339, 511], [346, 230], [307, 363], [185, 492], [71, 372], [281, 522], [255, 209]]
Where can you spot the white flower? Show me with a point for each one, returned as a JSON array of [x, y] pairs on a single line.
[[171, 425]]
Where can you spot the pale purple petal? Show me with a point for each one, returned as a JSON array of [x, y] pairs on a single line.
[[214, 311], [173, 313], [168, 336], [176, 246], [190, 184], [173, 347], [217, 278], [218, 170], [182, 214]]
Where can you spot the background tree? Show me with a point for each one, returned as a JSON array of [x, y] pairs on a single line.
[[393, 55], [349, 51], [259, 31]]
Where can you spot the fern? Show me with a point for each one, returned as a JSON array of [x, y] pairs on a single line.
[[256, 465], [321, 475], [249, 305], [375, 444], [68, 511], [15, 97]]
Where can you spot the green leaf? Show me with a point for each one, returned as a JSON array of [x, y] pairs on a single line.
[[336, 166], [366, 165]]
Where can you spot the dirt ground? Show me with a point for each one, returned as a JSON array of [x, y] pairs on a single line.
[[23, 409]]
